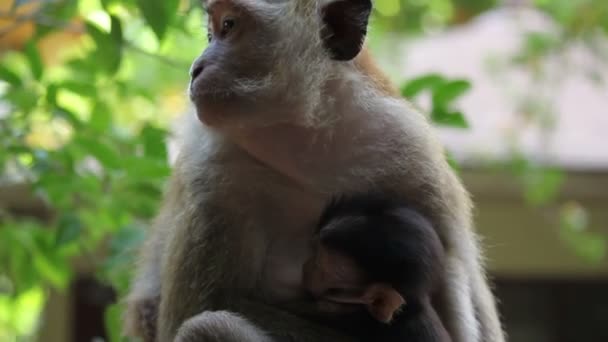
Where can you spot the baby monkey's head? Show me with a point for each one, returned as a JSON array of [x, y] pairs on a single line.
[[270, 61]]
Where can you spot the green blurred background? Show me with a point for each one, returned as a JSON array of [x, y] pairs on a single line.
[[90, 90]]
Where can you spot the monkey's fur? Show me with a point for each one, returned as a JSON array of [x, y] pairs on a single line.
[[288, 119]]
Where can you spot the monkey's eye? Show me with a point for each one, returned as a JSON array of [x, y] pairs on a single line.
[[227, 25], [209, 37]]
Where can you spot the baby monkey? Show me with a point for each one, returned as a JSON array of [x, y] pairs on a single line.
[[375, 266]]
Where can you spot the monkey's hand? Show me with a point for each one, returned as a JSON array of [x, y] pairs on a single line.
[[220, 326]]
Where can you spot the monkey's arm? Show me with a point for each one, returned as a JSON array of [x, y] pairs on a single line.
[[220, 326], [289, 322], [465, 298], [253, 321], [143, 300]]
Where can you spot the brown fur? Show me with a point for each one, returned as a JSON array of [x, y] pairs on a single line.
[[364, 62]]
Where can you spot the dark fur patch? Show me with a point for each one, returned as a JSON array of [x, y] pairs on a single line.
[[345, 27], [388, 239], [392, 243], [148, 315]]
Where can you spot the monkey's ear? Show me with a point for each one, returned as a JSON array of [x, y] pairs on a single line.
[[345, 27]]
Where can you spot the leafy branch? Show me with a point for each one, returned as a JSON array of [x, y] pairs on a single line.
[[40, 19]]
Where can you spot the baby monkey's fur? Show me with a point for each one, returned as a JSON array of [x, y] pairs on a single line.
[[385, 259]]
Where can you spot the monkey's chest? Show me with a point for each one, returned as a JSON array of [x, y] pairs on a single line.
[[282, 273], [288, 245], [284, 208]]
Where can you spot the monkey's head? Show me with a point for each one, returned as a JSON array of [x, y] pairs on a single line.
[[270, 61]]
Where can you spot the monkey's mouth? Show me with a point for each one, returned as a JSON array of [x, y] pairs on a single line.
[[201, 93]]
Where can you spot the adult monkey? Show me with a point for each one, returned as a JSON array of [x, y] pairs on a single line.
[[293, 112]]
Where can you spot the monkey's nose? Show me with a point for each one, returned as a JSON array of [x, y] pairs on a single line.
[[196, 70]]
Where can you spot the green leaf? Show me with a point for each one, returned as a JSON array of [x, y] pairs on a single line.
[[26, 309], [68, 230], [83, 69], [101, 119], [574, 224], [113, 322], [53, 270], [444, 92], [417, 85], [158, 14], [33, 58], [146, 188], [518, 165], [154, 142], [448, 92], [51, 94], [107, 4], [116, 36], [542, 185], [54, 188], [9, 76], [591, 247], [80, 88], [67, 116], [22, 98], [146, 168], [51, 265], [99, 149], [109, 45], [536, 45], [451, 119]]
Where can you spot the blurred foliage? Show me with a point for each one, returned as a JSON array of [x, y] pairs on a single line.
[[443, 94], [86, 100], [88, 90]]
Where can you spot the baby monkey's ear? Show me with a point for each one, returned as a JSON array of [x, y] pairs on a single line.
[[382, 302], [334, 277], [345, 27]]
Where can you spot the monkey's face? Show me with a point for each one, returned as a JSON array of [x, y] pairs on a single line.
[[269, 61]]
